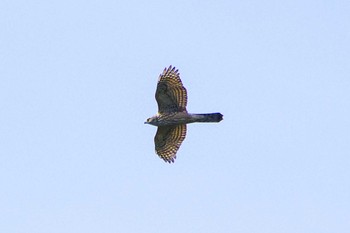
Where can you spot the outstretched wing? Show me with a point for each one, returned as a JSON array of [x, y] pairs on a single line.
[[171, 95], [168, 140]]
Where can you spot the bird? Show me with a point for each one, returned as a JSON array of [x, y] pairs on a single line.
[[172, 116]]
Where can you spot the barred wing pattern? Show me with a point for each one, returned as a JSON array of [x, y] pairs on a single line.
[[168, 140], [171, 95]]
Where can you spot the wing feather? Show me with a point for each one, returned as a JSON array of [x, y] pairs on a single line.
[[171, 95], [168, 140]]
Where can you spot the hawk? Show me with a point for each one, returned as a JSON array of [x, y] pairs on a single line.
[[172, 115]]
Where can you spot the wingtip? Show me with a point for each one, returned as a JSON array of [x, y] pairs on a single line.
[[169, 160], [170, 68]]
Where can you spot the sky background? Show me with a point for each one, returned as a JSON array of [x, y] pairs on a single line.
[[77, 81]]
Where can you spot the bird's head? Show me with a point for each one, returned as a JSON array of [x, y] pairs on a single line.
[[152, 120]]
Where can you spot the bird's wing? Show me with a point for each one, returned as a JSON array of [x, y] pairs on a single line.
[[171, 95], [168, 140]]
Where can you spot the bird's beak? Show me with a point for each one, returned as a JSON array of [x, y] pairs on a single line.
[[146, 122]]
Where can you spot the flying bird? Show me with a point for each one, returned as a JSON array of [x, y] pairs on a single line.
[[172, 115]]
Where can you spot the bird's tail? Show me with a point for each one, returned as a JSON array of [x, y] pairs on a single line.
[[208, 117]]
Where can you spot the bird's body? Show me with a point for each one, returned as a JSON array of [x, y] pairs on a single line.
[[176, 118], [172, 115]]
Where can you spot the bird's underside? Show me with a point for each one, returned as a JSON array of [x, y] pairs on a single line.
[[172, 115]]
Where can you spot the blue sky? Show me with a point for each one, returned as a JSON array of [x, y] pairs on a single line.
[[78, 81]]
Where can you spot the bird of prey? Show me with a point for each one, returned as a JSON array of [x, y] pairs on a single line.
[[172, 115]]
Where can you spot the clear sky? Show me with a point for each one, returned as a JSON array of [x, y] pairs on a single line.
[[77, 81]]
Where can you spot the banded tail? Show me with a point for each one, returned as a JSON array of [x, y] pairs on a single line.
[[208, 117]]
